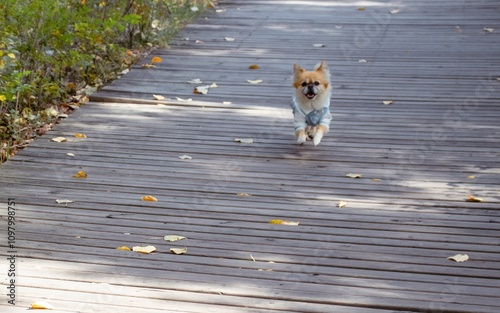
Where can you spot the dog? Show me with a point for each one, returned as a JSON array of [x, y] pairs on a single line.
[[311, 103]]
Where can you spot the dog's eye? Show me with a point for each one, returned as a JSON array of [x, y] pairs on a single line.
[[316, 83], [304, 84]]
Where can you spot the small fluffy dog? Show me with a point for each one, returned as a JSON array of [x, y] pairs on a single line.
[[311, 103]]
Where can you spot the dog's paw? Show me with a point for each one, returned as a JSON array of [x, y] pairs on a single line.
[[301, 140], [316, 140]]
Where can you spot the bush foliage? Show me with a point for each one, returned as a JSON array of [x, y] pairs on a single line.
[[51, 48]]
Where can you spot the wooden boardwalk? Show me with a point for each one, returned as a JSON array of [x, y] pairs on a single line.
[[385, 251]]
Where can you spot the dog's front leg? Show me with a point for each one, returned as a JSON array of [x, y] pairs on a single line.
[[320, 131], [301, 136]]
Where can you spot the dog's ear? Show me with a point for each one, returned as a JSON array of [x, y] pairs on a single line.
[[321, 66], [297, 69]]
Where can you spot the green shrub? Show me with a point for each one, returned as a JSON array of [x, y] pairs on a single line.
[[48, 47]]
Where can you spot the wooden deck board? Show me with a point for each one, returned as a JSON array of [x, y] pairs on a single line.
[[386, 251]]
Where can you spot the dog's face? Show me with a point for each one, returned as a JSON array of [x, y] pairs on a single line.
[[310, 85]]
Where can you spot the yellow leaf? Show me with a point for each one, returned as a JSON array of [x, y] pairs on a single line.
[[471, 198], [283, 222], [254, 67], [145, 250], [172, 238], [147, 65], [11, 55], [124, 248], [351, 175], [3, 98], [156, 60], [179, 250], [41, 305], [256, 81], [80, 174], [459, 258], [51, 112], [80, 135], [149, 198], [471, 177], [342, 204], [210, 5], [361, 8], [59, 139]]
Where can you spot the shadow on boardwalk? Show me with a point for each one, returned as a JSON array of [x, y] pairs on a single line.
[[385, 251]]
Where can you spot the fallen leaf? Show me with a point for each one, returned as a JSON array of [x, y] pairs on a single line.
[[342, 204], [318, 45], [125, 71], [471, 198], [51, 112], [339, 26], [147, 66], [172, 238], [488, 29], [457, 29], [194, 9], [41, 305], [244, 195], [229, 39], [178, 250], [214, 85], [195, 81], [256, 81], [149, 198], [459, 258], [158, 97], [155, 60], [395, 11], [362, 61], [80, 174], [70, 154], [227, 102], [244, 140], [11, 55], [361, 8], [387, 102], [185, 157], [376, 179], [210, 5], [145, 250], [80, 135], [59, 139], [283, 222], [219, 11], [64, 201], [124, 248], [351, 175], [253, 67], [471, 177], [62, 116], [252, 258], [180, 99], [201, 89], [199, 41]]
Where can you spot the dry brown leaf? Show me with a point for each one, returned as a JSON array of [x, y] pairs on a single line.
[[158, 97], [471, 198], [459, 258], [149, 198], [124, 248], [147, 66], [254, 81], [145, 250], [352, 175], [59, 139], [244, 140], [361, 8], [253, 67], [489, 29], [80, 135], [80, 174], [41, 305], [179, 250], [342, 204], [244, 195], [283, 222]]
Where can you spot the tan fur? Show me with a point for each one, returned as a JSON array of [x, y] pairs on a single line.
[[320, 74]]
